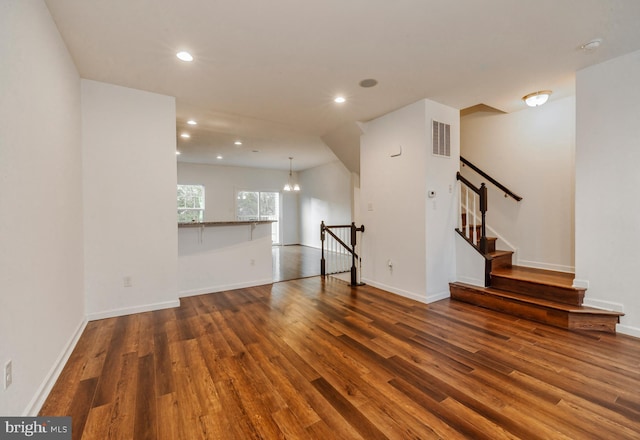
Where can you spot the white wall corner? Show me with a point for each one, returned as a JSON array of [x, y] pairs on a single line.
[[438, 296], [33, 408]]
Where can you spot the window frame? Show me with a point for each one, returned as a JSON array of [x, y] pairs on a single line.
[[191, 197]]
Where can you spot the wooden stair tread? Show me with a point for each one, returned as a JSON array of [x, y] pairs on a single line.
[[540, 276], [538, 301], [498, 253]]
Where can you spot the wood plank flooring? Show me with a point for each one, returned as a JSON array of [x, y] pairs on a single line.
[[295, 261], [317, 359]]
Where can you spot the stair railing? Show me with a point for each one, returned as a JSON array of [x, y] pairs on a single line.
[[337, 255], [472, 215], [507, 191]]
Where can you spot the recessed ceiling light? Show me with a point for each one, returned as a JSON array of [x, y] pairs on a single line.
[[369, 82], [184, 56], [339, 99], [192, 122], [185, 135], [237, 143], [178, 153], [219, 156]]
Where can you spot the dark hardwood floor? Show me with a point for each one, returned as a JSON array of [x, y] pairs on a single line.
[[293, 262], [316, 359]]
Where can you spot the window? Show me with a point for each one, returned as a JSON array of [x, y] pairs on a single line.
[[190, 203], [260, 205]]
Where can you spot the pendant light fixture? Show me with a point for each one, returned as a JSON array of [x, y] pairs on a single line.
[[288, 186]]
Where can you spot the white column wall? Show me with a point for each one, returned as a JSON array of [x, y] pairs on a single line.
[[607, 182], [403, 226], [129, 185], [41, 259], [441, 210]]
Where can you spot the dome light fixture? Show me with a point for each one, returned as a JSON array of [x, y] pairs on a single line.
[[339, 99], [289, 187], [536, 99], [185, 56], [192, 122]]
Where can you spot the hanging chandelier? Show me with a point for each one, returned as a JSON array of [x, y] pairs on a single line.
[[289, 186]]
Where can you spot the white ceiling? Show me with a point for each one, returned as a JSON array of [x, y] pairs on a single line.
[[266, 72]]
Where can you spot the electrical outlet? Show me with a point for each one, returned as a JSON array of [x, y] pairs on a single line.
[[8, 374], [127, 282]]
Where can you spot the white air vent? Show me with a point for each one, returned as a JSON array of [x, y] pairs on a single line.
[[441, 139]]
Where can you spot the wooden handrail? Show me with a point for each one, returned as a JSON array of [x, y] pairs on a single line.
[[471, 186], [506, 190]]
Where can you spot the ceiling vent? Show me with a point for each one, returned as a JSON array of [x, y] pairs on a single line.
[[441, 139]]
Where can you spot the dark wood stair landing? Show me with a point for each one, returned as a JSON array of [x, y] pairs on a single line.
[[539, 295]]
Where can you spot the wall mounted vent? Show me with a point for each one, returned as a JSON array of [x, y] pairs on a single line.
[[441, 134]]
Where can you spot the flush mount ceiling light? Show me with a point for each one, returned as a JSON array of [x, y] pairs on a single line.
[[185, 135], [192, 122], [339, 99], [591, 45], [536, 99], [237, 143], [288, 186], [185, 56], [219, 157]]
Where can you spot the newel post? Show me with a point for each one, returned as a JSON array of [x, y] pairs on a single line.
[[483, 212], [322, 261]]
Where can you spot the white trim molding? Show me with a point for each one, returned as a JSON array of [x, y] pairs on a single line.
[[131, 310], [223, 287], [33, 408]]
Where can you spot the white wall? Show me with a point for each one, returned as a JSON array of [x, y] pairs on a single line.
[[607, 182], [217, 258], [531, 152], [41, 267], [221, 184], [442, 210], [326, 196], [402, 225], [129, 191]]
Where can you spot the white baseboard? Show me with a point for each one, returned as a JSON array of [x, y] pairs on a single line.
[[546, 266], [223, 287], [438, 296], [405, 293], [604, 305], [628, 330], [472, 281], [33, 408], [131, 310]]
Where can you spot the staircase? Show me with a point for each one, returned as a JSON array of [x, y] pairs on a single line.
[[535, 294], [538, 295]]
